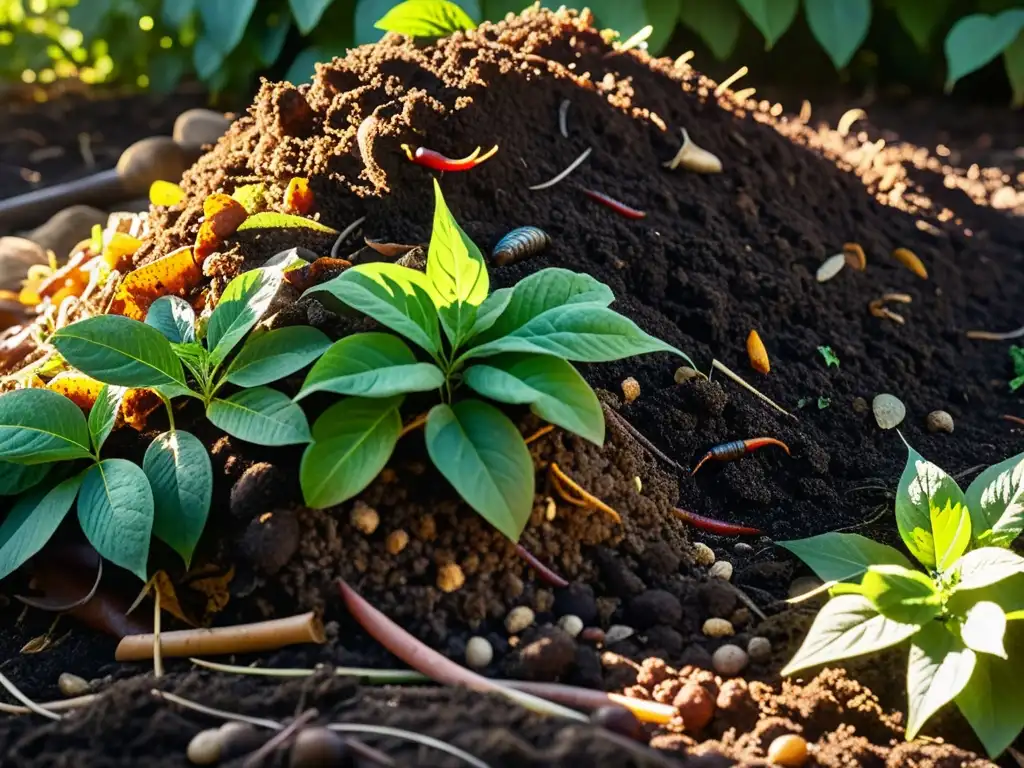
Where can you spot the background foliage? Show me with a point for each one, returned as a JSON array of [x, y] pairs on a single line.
[[227, 43]]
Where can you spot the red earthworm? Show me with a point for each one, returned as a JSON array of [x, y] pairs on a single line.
[[1014, 419], [737, 448], [711, 525], [438, 162], [620, 208], [546, 574]]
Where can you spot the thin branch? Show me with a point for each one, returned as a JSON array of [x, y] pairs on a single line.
[[279, 738], [365, 674], [633, 432], [721, 367]]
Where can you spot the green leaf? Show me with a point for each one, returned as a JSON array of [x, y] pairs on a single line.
[[939, 668], [455, 266], [584, 333], [407, 310], [115, 510], [843, 556], [509, 309], [352, 442], [771, 17], [410, 281], [38, 426], [988, 565], [831, 358], [242, 304], [18, 478], [481, 453], [1013, 58], [121, 351], [717, 23], [103, 414], [275, 354], [260, 415], [901, 594], [272, 220], [848, 626], [839, 25], [662, 15], [1016, 353], [996, 503], [977, 39], [224, 21], [1008, 594], [307, 13], [33, 519], [552, 388], [271, 37], [207, 57], [983, 629], [174, 318], [920, 18], [930, 513], [176, 12], [425, 18], [370, 365], [991, 701], [181, 475]]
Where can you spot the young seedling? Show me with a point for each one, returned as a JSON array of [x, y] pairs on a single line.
[[961, 615], [512, 346]]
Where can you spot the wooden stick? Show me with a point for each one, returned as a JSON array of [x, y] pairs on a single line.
[[242, 638], [721, 367], [586, 698]]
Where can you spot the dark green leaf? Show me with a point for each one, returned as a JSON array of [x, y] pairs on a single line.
[[717, 23], [921, 18], [115, 510], [662, 15], [830, 357], [771, 17], [938, 670], [121, 351], [272, 220], [103, 414], [38, 426], [352, 442], [930, 513], [181, 475], [901, 594], [991, 701], [207, 58], [552, 388], [307, 13], [174, 318], [224, 21], [425, 18], [984, 628], [848, 626], [996, 503], [176, 12], [242, 304], [624, 18], [32, 521], [977, 39], [455, 266], [370, 365], [272, 35], [275, 354], [1013, 58], [18, 478], [988, 565], [481, 453], [262, 416], [843, 556], [840, 26]]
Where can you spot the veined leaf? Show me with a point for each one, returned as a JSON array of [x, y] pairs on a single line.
[[242, 304], [455, 265], [921, 18], [839, 25], [1007, 593], [843, 556], [38, 426], [991, 701], [977, 39], [901, 594], [181, 475], [996, 502], [18, 478], [33, 519], [174, 318], [988, 565], [276, 354], [930, 513], [273, 220], [718, 24], [260, 415], [771, 17], [115, 510], [938, 670], [103, 414], [425, 18]]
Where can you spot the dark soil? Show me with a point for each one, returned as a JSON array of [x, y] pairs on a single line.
[[716, 256]]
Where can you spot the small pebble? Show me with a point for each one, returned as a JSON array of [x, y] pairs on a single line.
[[742, 549], [718, 628], [860, 406], [721, 570], [619, 720], [729, 660], [630, 389], [803, 585], [703, 554], [617, 633], [72, 685], [696, 706], [518, 619], [316, 747], [789, 751], [204, 748], [889, 410], [685, 373], [572, 625], [396, 541], [592, 635], [365, 518], [479, 652], [450, 577], [759, 649], [940, 421]]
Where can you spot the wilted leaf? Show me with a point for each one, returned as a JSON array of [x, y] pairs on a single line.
[[171, 274], [224, 214], [77, 387], [121, 247]]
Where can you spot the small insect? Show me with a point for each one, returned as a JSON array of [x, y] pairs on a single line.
[[737, 448], [520, 243], [619, 207]]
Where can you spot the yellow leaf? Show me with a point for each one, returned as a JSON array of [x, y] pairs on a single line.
[[165, 193]]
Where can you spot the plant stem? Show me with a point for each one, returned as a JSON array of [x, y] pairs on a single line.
[[170, 411]]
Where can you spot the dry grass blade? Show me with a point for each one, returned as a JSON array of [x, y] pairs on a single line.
[[279, 738], [990, 336], [258, 722], [419, 738], [572, 167], [365, 674], [725, 370], [13, 690]]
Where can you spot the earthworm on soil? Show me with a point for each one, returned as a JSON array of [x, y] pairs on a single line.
[[633, 432], [572, 167], [1014, 419], [990, 336], [619, 207], [735, 449], [546, 574], [428, 158], [715, 526]]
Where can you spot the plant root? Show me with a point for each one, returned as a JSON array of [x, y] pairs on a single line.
[[584, 498]]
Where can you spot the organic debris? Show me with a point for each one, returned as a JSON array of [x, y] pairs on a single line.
[[173, 274], [831, 267], [993, 336], [724, 369], [737, 449], [831, 358], [569, 169], [298, 197], [910, 260], [694, 158], [610, 202], [854, 256], [576, 495], [757, 353], [878, 309]]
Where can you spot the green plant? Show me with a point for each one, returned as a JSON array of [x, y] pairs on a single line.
[[425, 18], [512, 346], [961, 615], [1017, 359]]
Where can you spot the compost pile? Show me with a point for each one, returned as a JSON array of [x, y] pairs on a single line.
[[715, 256]]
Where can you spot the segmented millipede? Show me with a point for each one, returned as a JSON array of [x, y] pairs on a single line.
[[520, 243]]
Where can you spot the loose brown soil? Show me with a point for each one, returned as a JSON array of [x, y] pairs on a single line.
[[716, 256]]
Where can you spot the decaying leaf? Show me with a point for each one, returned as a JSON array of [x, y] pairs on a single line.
[[195, 599], [136, 407], [298, 197], [174, 273], [320, 271], [165, 193], [271, 220], [121, 247], [224, 214], [389, 250], [69, 280], [76, 387], [251, 196], [207, 242]]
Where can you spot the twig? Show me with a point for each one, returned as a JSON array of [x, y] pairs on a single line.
[[539, 434], [724, 85], [158, 655], [589, 499], [747, 600], [13, 690], [419, 738], [721, 367], [279, 738], [365, 674], [572, 167], [546, 574], [64, 607], [413, 425], [344, 234], [563, 113], [258, 722], [633, 432], [990, 336], [369, 754]]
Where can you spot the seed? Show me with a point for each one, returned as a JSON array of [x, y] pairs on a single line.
[[638, 484], [721, 570], [757, 353], [396, 541], [450, 577], [617, 633], [854, 256], [550, 509], [940, 421], [317, 746], [204, 748], [718, 628], [789, 751], [619, 720], [909, 260], [364, 517], [759, 649], [703, 554], [518, 619], [694, 158], [630, 389], [889, 410], [729, 660], [831, 267], [479, 652], [72, 685], [571, 625], [684, 373], [742, 549]]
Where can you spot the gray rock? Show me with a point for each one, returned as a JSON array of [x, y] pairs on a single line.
[[65, 229]]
